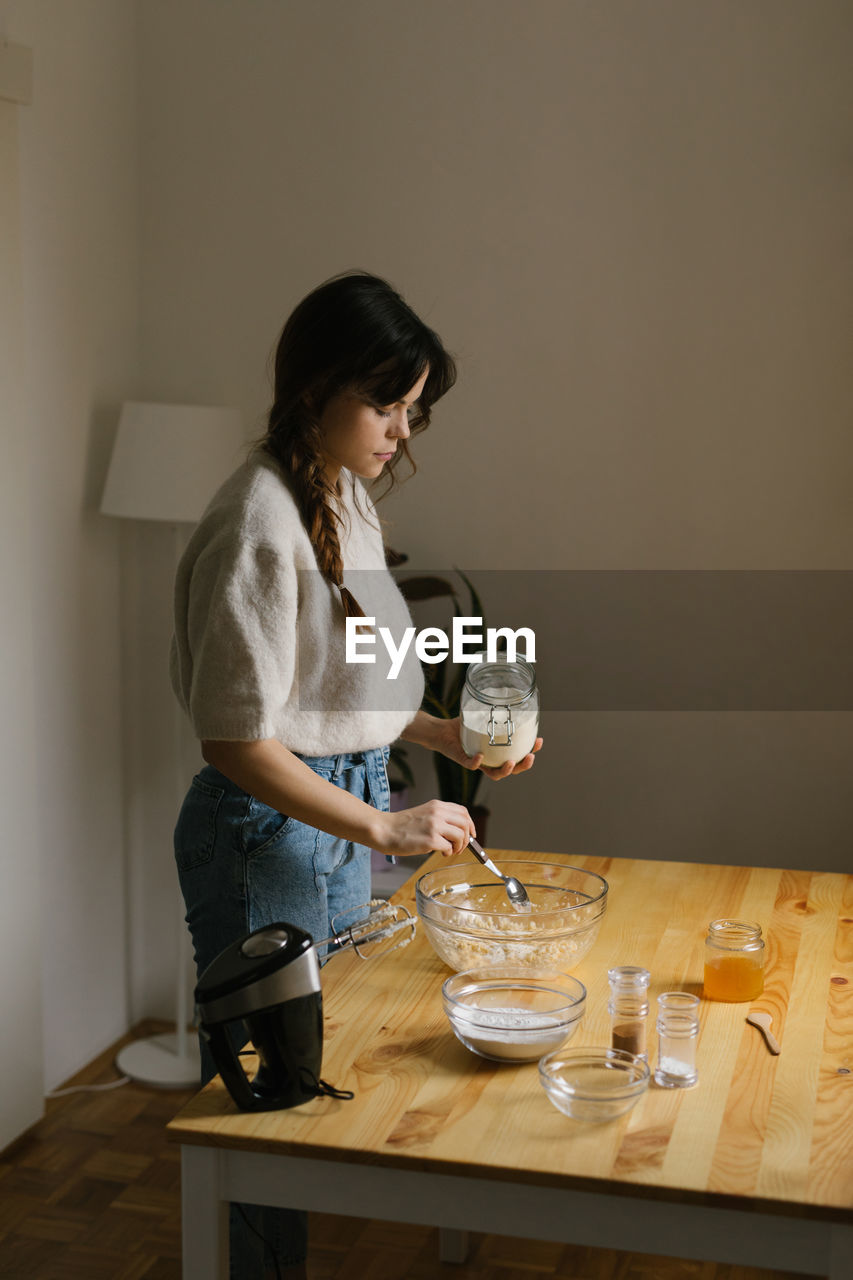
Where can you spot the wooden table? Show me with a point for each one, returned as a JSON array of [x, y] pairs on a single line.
[[753, 1166]]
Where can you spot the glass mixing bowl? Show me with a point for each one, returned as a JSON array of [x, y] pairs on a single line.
[[470, 923], [507, 1015]]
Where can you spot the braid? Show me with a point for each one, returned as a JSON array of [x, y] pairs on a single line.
[[315, 498]]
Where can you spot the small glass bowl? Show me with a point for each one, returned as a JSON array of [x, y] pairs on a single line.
[[593, 1084], [507, 1015]]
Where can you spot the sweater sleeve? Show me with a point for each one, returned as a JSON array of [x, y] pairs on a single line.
[[241, 634]]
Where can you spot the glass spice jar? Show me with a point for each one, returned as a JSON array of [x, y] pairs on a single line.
[[734, 961], [678, 1033], [628, 1007]]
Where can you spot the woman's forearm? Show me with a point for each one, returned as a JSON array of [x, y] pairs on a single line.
[[425, 730], [445, 736], [275, 776], [278, 778]]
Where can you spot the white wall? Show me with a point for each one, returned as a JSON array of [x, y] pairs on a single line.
[[78, 149], [20, 943], [630, 224]]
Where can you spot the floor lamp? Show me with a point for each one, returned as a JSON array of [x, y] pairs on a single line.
[[167, 462]]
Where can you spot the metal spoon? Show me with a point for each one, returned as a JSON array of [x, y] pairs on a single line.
[[515, 890], [762, 1020]]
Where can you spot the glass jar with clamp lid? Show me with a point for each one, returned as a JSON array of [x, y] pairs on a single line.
[[499, 710]]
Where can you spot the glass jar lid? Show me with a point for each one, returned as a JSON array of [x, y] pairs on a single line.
[[515, 681], [629, 977]]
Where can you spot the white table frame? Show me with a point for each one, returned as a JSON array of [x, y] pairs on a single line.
[[633, 1221]]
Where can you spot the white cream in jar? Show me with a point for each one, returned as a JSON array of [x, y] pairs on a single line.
[[476, 718]]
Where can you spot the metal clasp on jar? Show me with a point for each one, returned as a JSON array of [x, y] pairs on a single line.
[[508, 726]]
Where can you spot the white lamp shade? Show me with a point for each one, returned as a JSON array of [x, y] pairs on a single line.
[[169, 459]]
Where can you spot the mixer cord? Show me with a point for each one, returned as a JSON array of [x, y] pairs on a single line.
[[319, 1088], [326, 1090]]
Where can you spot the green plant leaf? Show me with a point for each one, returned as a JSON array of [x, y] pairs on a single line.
[[444, 682], [453, 694], [425, 588], [435, 704], [476, 603], [451, 786]]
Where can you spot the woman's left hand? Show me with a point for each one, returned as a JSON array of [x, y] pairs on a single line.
[[449, 743]]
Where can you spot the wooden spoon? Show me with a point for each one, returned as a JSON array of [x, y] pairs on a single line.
[[762, 1021]]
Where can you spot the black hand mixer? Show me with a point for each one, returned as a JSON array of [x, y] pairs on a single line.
[[269, 982]]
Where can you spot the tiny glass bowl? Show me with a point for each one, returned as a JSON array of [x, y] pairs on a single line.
[[508, 1015], [593, 1084], [470, 924]]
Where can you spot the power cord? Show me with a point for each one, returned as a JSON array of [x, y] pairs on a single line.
[[88, 1088]]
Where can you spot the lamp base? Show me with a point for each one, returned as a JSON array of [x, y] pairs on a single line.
[[155, 1061]]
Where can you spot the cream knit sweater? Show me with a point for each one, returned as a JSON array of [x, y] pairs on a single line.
[[259, 643]]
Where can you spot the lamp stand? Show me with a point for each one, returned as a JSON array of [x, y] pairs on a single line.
[[172, 1060]]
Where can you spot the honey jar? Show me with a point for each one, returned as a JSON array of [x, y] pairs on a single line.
[[734, 961]]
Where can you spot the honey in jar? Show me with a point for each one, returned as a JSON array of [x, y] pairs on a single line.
[[734, 961]]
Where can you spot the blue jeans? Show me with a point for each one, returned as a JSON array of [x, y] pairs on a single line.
[[242, 865]]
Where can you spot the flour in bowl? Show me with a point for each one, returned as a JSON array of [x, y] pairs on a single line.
[[519, 1035]]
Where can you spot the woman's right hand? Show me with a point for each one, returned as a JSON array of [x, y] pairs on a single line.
[[437, 825]]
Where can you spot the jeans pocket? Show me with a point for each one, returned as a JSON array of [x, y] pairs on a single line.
[[195, 833], [263, 827], [377, 789]]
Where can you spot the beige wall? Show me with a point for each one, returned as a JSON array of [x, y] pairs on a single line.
[[20, 949], [630, 222], [79, 258]]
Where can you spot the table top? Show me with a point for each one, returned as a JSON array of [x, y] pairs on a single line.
[[758, 1130]]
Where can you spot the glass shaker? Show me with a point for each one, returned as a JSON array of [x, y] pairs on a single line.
[[734, 961], [628, 1007], [499, 710], [678, 1032]]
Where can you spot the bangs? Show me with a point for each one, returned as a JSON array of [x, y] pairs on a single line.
[[393, 380], [387, 380]]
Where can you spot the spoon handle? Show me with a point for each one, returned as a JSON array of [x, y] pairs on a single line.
[[769, 1038], [481, 856], [772, 1042]]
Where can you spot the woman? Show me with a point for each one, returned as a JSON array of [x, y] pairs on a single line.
[[279, 824]]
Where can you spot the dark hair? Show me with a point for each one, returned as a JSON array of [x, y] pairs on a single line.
[[356, 333]]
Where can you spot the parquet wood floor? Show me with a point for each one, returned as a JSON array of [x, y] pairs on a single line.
[[92, 1192]]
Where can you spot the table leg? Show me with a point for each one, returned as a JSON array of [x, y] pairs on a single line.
[[840, 1252], [204, 1216], [452, 1245]]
